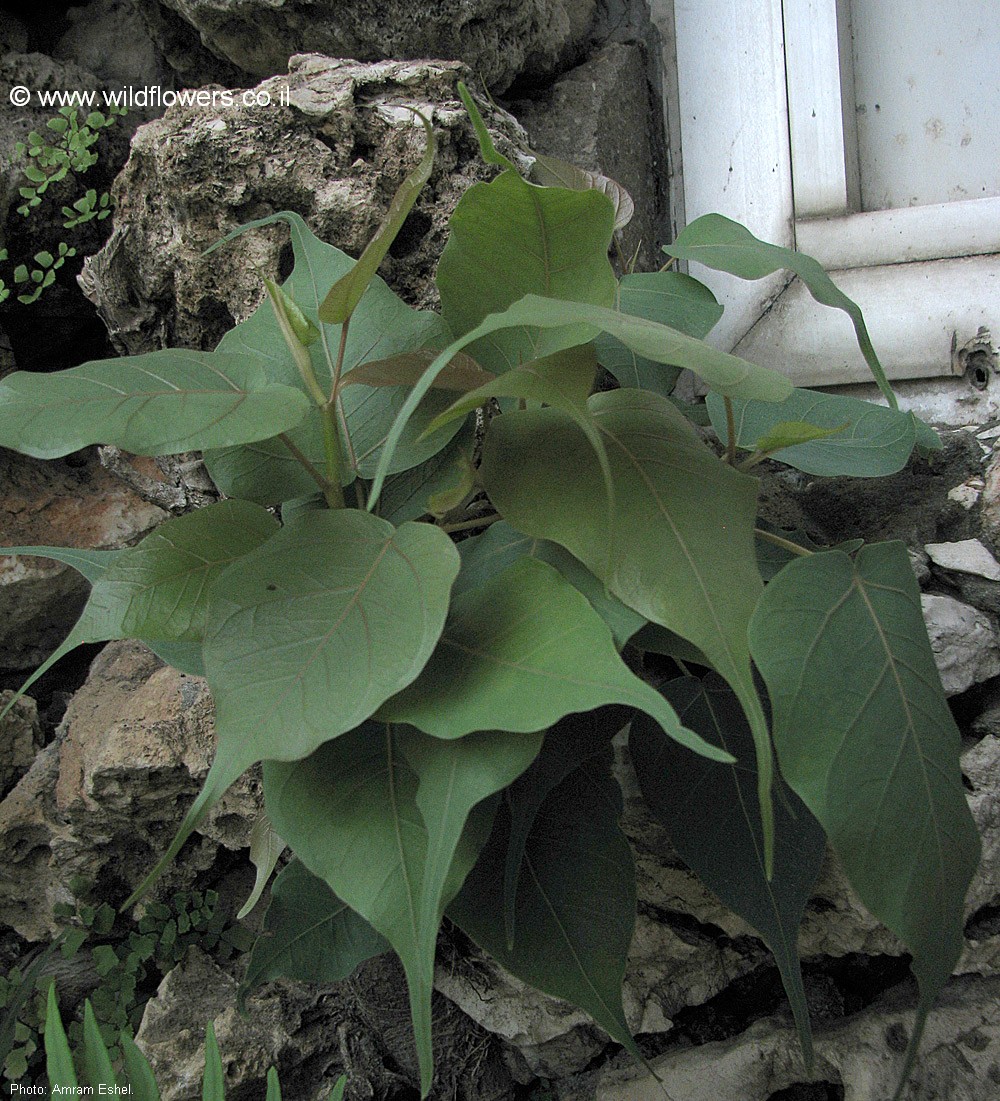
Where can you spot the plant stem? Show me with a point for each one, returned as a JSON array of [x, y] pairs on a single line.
[[339, 368], [730, 431], [785, 544], [750, 462], [334, 492], [468, 525]]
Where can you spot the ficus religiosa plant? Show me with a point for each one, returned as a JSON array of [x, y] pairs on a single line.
[[434, 716]]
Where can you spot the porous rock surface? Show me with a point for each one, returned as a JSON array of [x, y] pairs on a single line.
[[335, 155], [498, 41], [103, 800]]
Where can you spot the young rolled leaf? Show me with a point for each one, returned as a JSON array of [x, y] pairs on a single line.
[[681, 548], [489, 554], [159, 403], [487, 149], [309, 934], [97, 1066], [310, 633], [575, 911], [138, 1071], [724, 245], [570, 323], [865, 441], [213, 1085], [343, 297], [382, 326], [669, 298], [58, 1057], [519, 653], [867, 741], [710, 812], [393, 821]]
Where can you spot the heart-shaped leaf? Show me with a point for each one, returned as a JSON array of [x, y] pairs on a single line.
[[160, 403], [710, 812], [310, 633], [725, 245], [866, 739], [520, 652], [393, 821], [309, 934]]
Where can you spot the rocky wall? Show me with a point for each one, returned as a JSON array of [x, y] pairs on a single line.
[[94, 790]]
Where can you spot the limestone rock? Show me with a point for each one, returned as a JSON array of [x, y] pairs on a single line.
[[70, 502], [110, 39], [963, 640], [104, 799], [526, 38], [862, 1055], [602, 116], [335, 155], [20, 739], [965, 556]]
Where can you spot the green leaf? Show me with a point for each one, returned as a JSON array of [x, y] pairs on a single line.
[[159, 403], [93, 564], [310, 633], [412, 494], [184, 656], [58, 1059], [670, 299], [519, 653], [273, 1086], [567, 745], [710, 812], [573, 323], [213, 1086], [553, 172], [96, 1061], [727, 246], [265, 848], [309, 934], [140, 1075], [382, 326], [509, 238], [680, 550], [489, 554], [337, 1093], [866, 739], [343, 297], [386, 817], [159, 589], [870, 441], [576, 902]]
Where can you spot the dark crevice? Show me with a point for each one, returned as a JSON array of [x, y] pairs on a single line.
[[810, 1091]]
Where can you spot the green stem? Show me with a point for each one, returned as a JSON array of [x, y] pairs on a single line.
[[753, 460], [468, 525], [334, 492], [785, 544], [730, 431]]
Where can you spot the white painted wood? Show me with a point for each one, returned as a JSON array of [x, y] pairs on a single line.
[[815, 108], [928, 100], [899, 236], [912, 312], [733, 133]]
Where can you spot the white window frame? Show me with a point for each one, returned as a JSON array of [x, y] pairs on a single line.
[[761, 132]]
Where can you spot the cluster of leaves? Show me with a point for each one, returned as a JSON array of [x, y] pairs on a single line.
[[435, 719], [128, 963], [88, 1058], [67, 148]]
